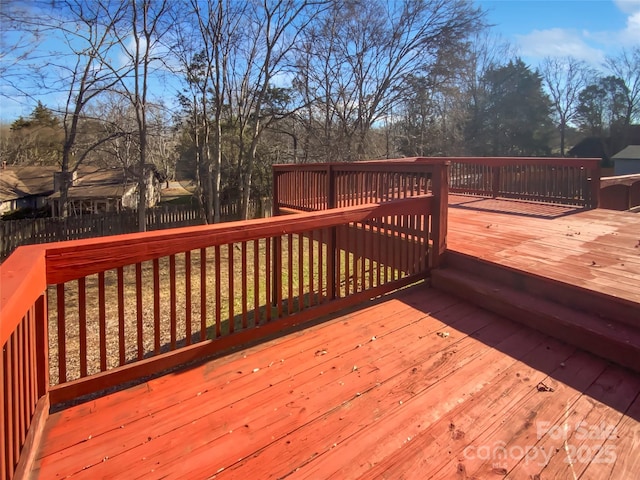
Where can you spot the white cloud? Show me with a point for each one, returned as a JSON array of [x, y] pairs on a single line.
[[628, 6], [631, 34], [558, 42]]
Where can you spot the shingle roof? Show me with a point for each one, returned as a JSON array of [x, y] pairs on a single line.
[[632, 152], [20, 182]]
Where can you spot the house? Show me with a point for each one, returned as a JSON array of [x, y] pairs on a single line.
[[605, 147], [627, 161], [25, 188], [95, 190]]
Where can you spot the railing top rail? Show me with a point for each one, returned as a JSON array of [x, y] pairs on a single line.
[[590, 163], [365, 165], [620, 180], [503, 161], [77, 258]]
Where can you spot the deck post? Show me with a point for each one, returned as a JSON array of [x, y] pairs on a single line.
[[595, 186], [276, 270], [439, 215], [495, 181], [331, 187], [275, 207]]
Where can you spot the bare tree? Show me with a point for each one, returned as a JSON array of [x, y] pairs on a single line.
[[140, 39], [363, 52], [261, 58], [626, 66], [217, 31], [564, 79], [76, 69]]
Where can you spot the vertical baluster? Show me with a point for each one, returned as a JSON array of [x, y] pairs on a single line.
[[172, 302], [33, 360], [15, 388], [20, 385], [187, 295], [321, 257], [62, 344], [102, 322], [12, 447], [156, 306], [244, 284], [256, 284], [203, 294], [230, 278], [290, 273], [369, 236], [82, 325], [353, 248], [268, 273], [310, 259], [301, 279], [218, 292], [121, 333], [139, 318]]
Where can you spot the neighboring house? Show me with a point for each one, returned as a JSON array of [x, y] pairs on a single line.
[[591, 147], [627, 161], [605, 147], [92, 189], [25, 188], [95, 190]]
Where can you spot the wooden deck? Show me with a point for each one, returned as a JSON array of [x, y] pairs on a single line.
[[594, 249], [415, 385]]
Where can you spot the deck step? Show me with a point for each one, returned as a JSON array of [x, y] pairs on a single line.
[[593, 302], [613, 340]]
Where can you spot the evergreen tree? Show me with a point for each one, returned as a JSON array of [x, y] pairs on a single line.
[[513, 114]]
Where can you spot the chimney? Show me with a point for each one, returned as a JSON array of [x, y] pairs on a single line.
[[4, 165]]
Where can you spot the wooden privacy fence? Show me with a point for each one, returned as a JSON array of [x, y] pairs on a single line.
[[567, 181], [85, 315], [14, 233]]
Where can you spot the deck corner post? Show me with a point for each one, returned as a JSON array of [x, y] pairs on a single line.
[[439, 215]]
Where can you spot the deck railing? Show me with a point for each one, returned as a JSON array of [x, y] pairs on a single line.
[[620, 192], [566, 181], [115, 309]]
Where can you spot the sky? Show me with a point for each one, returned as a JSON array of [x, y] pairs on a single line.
[[588, 30]]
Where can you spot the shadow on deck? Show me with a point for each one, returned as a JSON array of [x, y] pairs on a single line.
[[418, 384]]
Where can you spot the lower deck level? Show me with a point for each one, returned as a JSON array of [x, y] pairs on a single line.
[[417, 384]]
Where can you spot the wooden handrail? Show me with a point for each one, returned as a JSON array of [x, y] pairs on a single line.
[[74, 259]]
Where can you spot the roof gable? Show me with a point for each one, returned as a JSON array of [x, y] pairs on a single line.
[[631, 152]]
